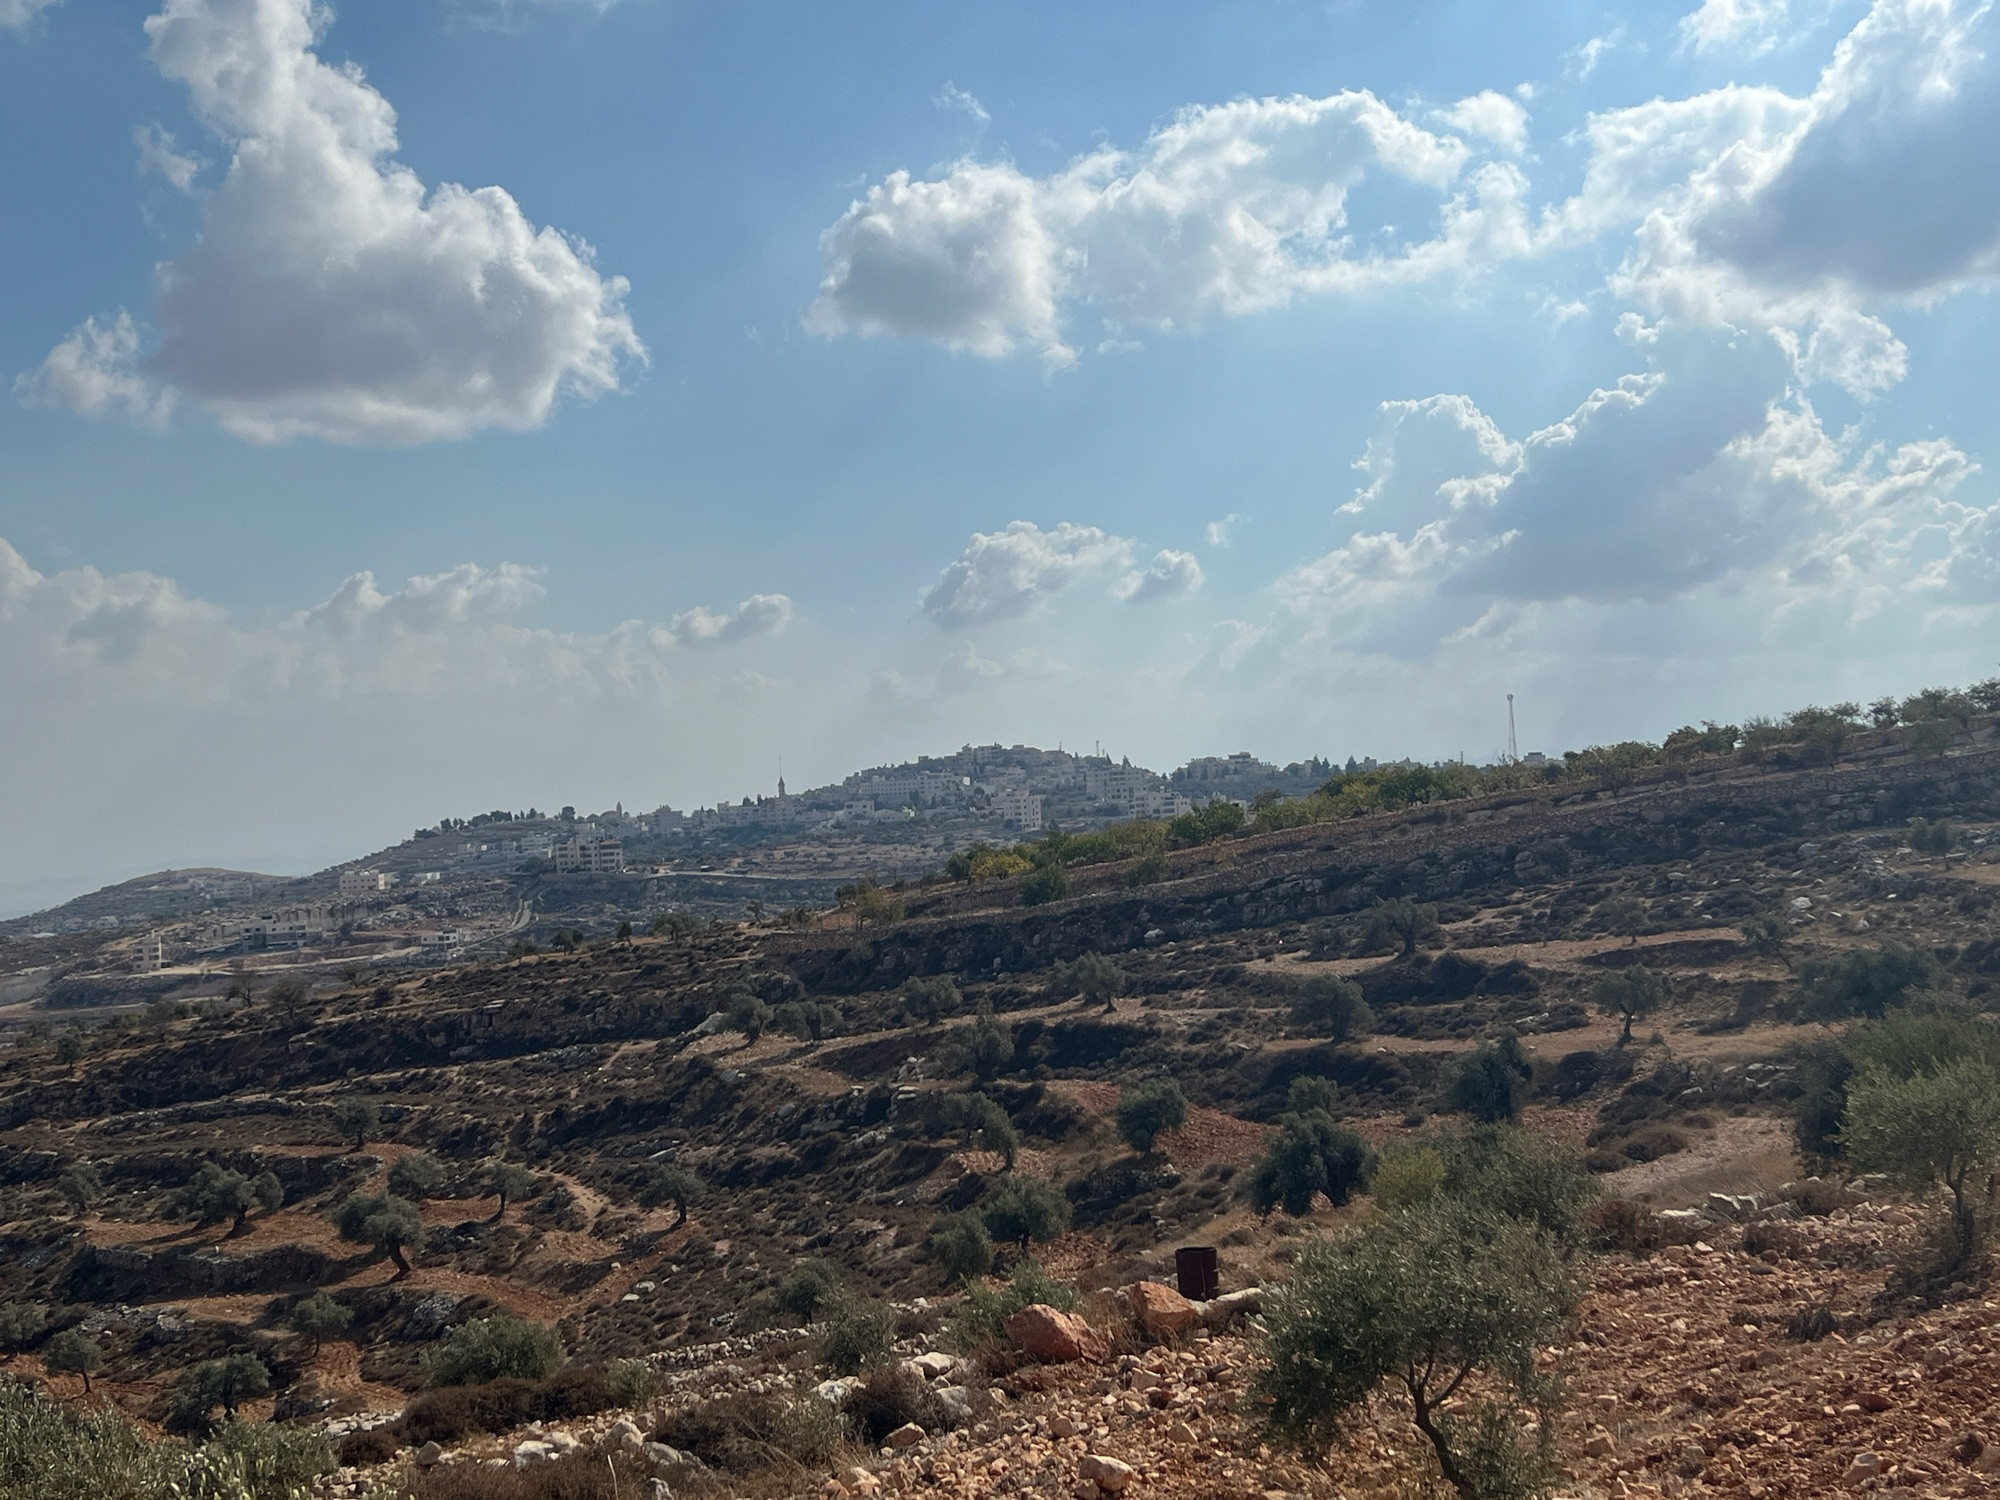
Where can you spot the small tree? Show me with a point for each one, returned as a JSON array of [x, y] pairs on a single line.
[[1868, 982], [1765, 935], [1149, 1110], [227, 1382], [623, 934], [79, 1185], [858, 1334], [417, 1176], [1333, 1008], [1490, 1082], [1026, 1209], [982, 1122], [808, 1020], [356, 1119], [268, 1191], [72, 1352], [318, 1318], [1044, 884], [812, 1287], [668, 1183], [1939, 1125], [508, 1183], [21, 1323], [1422, 1301], [69, 1047], [500, 1347], [748, 1014], [986, 1045], [1309, 1155], [1938, 838], [961, 1246], [216, 1193], [1630, 994], [931, 999], [1400, 923], [391, 1224], [1093, 976]]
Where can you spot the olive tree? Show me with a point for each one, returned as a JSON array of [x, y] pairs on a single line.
[[1428, 1304], [961, 1246], [1401, 923], [508, 1183], [1333, 1008], [1630, 994], [1147, 1111], [668, 1183], [930, 999], [72, 1352], [357, 1119], [982, 1122], [499, 1347], [318, 1318], [1937, 1125], [1026, 1209], [1490, 1082], [227, 1382], [1309, 1155], [216, 1193], [390, 1224], [417, 1176]]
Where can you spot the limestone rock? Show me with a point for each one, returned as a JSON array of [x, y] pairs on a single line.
[[1055, 1338], [906, 1436], [1108, 1474], [429, 1456], [532, 1452], [1160, 1310], [1865, 1465]]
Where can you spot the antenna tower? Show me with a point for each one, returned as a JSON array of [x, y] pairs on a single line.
[[1513, 749]]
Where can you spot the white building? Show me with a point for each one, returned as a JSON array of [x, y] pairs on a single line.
[[588, 856], [1019, 808], [364, 882]]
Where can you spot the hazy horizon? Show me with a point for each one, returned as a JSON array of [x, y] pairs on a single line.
[[423, 408]]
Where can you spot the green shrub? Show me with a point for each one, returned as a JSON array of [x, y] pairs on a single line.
[[1938, 1126], [1490, 1083], [1333, 1008], [856, 1335], [740, 1434], [1406, 1175], [961, 1246], [21, 1323], [1517, 1174], [631, 1382], [1630, 994], [1309, 1155], [810, 1289], [448, 1413], [1043, 885], [1865, 982], [982, 1122], [73, 1352], [389, 1223], [356, 1119], [931, 999], [1026, 1210], [1146, 1111], [981, 1315], [417, 1176], [888, 1397], [669, 1183], [491, 1348]]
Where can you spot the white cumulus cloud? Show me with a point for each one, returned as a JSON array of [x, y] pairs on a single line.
[[1171, 575], [1003, 574], [1230, 209], [18, 15], [331, 294], [159, 152], [760, 614]]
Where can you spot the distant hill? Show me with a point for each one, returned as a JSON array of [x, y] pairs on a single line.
[[165, 894]]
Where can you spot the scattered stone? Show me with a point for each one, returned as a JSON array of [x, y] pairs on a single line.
[[1600, 1443], [1108, 1474], [1055, 1338], [429, 1456], [1160, 1310], [1865, 1465], [906, 1436], [532, 1452]]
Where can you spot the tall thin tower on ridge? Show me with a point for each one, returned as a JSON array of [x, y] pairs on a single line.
[[1513, 749]]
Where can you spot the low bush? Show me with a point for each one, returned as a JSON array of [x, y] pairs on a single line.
[[50, 1452], [890, 1396], [982, 1314], [368, 1445], [857, 1334], [631, 1382], [498, 1347], [743, 1433], [447, 1414]]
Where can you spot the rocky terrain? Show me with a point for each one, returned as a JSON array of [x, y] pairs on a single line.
[[1742, 1338]]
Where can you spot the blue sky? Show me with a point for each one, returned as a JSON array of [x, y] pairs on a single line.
[[424, 407]]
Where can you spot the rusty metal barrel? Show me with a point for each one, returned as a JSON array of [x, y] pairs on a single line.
[[1194, 1269]]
